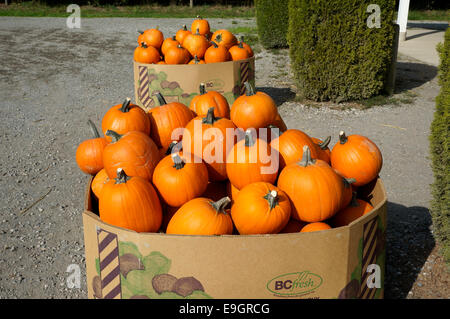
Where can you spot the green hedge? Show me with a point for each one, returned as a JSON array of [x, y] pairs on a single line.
[[439, 147], [272, 20], [334, 54]]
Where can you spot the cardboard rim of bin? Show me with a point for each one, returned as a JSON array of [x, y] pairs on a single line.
[[377, 183], [191, 65]]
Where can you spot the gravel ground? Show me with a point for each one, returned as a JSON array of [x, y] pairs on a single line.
[[53, 79]]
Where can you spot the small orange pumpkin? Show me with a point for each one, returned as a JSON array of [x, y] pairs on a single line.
[[131, 203], [247, 47], [100, 179], [196, 60], [352, 212], [224, 37], [201, 103], [89, 154], [317, 226], [201, 26], [216, 53], [238, 52], [177, 55], [323, 152], [146, 54], [182, 34], [153, 37], [168, 43], [260, 208], [202, 216], [357, 157], [196, 44]]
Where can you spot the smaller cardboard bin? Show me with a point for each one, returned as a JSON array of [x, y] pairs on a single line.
[[180, 83], [344, 262]]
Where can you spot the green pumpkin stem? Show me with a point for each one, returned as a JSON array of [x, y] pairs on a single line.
[[126, 105], [221, 204], [214, 44], [121, 176], [210, 117], [325, 143], [219, 38], [240, 45], [306, 158], [172, 147], [249, 141], [272, 198], [184, 27], [144, 45], [94, 129], [177, 161], [114, 135], [197, 60], [342, 137], [249, 89], [161, 99], [202, 88], [140, 31]]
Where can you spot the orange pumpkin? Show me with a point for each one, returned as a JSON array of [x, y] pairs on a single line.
[[153, 37], [196, 44], [314, 188], [182, 34], [130, 203], [201, 25], [196, 60], [166, 120], [146, 54], [125, 117], [323, 152], [356, 157], [352, 212], [209, 138], [315, 227], [168, 43], [252, 160], [217, 53], [238, 52], [260, 208], [177, 55], [253, 110], [134, 152], [224, 37], [89, 154], [202, 216], [201, 103], [180, 178], [293, 226], [247, 47], [100, 179], [348, 191], [290, 146]]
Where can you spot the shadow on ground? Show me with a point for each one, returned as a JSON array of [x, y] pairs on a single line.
[[280, 95], [410, 75], [409, 243]]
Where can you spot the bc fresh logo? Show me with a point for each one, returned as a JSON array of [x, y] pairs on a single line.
[[294, 284]]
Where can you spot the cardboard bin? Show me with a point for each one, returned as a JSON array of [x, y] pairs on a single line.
[[180, 83], [344, 262]]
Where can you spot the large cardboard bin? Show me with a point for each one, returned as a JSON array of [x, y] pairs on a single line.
[[344, 262], [180, 83]]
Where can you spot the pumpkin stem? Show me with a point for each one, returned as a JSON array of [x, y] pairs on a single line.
[[198, 32], [220, 205], [140, 31], [121, 176], [219, 37], [184, 27], [94, 129], [210, 118], [354, 202], [348, 181], [275, 130], [249, 141], [177, 161], [174, 37], [196, 59], [172, 147], [272, 198], [114, 135], [325, 143], [250, 90], [144, 45], [202, 88], [126, 105], [306, 158], [240, 45], [214, 44], [161, 99], [342, 137]]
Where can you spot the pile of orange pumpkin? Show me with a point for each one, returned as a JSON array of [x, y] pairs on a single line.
[[148, 179], [196, 46]]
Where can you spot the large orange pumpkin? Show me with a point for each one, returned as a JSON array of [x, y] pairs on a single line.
[[125, 117], [180, 178], [134, 152], [260, 208], [290, 146], [89, 154], [201, 103], [253, 110], [252, 160], [202, 216], [224, 37], [357, 157], [353, 211], [131, 203], [314, 188], [168, 119], [210, 138]]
